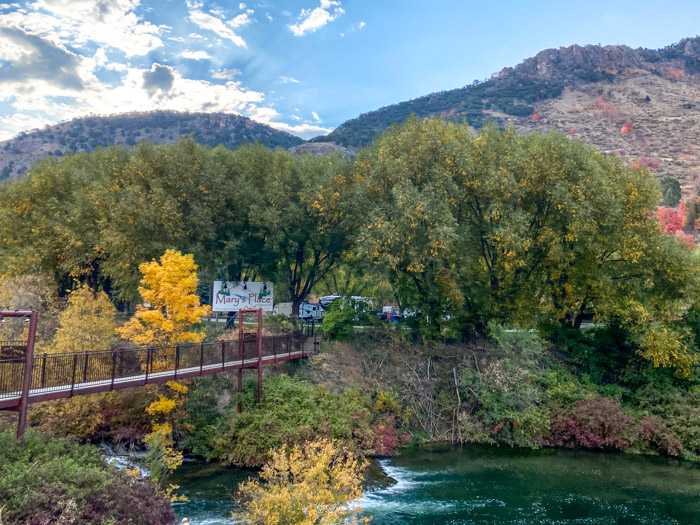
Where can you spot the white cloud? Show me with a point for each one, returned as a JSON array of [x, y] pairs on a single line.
[[361, 25], [240, 20], [305, 131], [113, 24], [100, 31], [13, 124], [241, 6], [315, 116], [170, 91], [226, 74], [310, 20], [287, 80], [225, 29], [195, 55]]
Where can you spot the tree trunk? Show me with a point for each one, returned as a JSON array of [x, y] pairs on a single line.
[[295, 307]]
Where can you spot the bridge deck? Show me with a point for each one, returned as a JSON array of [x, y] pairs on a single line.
[[36, 395], [56, 376]]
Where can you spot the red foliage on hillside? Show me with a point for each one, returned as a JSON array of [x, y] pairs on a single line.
[[669, 220]]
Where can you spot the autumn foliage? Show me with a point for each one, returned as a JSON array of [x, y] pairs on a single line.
[[608, 109], [597, 423], [170, 305], [669, 220], [314, 484]]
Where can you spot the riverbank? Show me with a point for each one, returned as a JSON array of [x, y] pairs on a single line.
[[566, 389], [485, 484]]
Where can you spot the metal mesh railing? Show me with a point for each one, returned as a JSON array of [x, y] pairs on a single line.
[[104, 369]]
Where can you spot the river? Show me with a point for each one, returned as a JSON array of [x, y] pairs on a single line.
[[488, 485]]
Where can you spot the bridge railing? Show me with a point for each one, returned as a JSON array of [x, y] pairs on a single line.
[[51, 372]]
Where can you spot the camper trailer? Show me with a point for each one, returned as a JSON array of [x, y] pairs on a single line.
[[310, 311]]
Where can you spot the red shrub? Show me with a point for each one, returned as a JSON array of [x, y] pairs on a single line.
[[685, 239], [669, 220], [654, 434], [386, 440], [597, 423]]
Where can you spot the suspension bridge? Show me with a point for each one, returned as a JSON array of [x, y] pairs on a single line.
[[26, 378]]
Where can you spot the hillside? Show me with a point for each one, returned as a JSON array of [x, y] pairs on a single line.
[[86, 134], [640, 104]]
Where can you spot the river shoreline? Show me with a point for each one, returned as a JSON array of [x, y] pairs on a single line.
[[439, 483]]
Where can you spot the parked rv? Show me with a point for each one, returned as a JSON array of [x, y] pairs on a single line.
[[310, 311], [327, 300], [283, 309]]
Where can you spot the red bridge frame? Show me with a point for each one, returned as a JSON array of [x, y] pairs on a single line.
[[56, 376]]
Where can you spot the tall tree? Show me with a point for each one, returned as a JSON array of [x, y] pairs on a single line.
[[49, 217], [165, 197], [520, 227], [170, 306], [301, 211], [87, 323]]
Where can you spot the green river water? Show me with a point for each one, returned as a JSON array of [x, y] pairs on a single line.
[[494, 486]]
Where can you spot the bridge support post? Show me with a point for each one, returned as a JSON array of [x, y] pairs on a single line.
[[27, 384], [241, 357], [259, 356]]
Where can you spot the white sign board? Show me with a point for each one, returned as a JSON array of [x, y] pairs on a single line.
[[231, 296]]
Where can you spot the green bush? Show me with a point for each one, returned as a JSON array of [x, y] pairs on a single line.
[[509, 390], [47, 480], [293, 412], [340, 317]]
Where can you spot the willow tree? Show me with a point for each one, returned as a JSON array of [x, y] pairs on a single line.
[[167, 196], [49, 217], [520, 228], [301, 214]]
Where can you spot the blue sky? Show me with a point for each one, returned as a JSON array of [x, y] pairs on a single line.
[[303, 66]]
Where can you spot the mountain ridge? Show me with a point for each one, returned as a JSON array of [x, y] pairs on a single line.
[[87, 133], [640, 104]]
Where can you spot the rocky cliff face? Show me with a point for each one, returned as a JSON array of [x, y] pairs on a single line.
[[562, 64], [639, 104], [566, 63]]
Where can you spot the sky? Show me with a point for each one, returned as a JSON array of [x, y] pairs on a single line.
[[301, 66]]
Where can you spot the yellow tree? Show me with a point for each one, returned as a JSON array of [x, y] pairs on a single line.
[[170, 305], [161, 457], [311, 485], [86, 324]]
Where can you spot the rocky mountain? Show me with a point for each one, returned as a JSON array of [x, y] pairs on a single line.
[[640, 104], [321, 148], [86, 134]]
